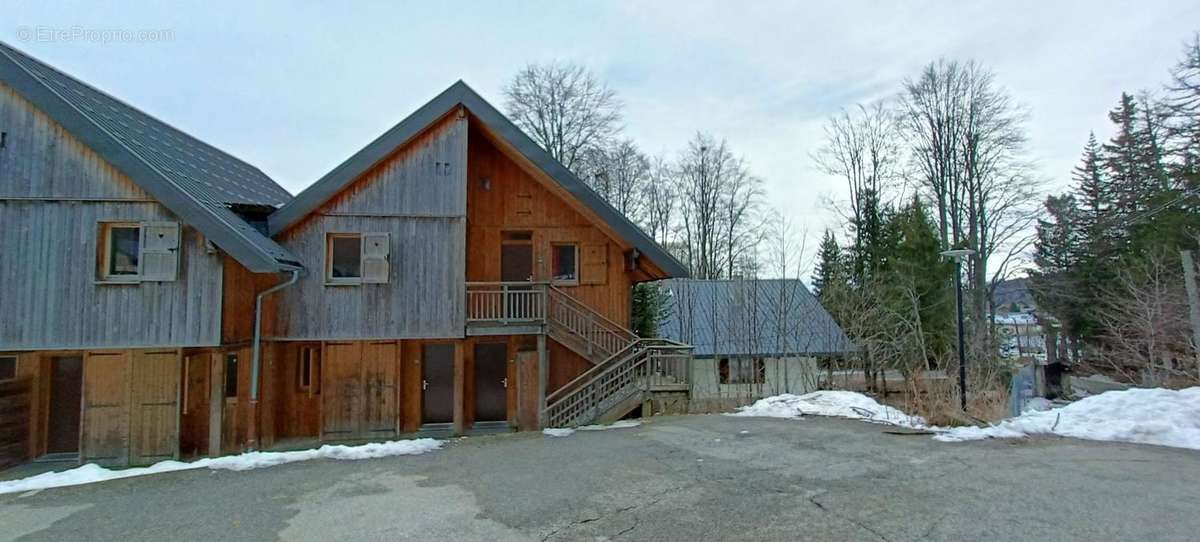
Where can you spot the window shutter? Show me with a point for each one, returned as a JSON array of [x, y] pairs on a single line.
[[376, 247], [160, 251], [594, 268]]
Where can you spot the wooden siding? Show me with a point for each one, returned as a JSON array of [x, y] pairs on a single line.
[[418, 198], [53, 193], [502, 196]]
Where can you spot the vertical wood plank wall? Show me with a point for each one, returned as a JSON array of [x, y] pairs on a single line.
[[502, 196], [53, 193], [418, 198]]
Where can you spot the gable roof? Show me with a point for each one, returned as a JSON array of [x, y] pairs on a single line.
[[765, 317], [194, 180], [460, 94]]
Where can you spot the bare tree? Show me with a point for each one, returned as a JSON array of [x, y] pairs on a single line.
[[1147, 335], [661, 200], [718, 201], [968, 154], [564, 108], [861, 147], [619, 173]]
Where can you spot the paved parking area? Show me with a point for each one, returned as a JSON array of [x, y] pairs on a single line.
[[672, 478]]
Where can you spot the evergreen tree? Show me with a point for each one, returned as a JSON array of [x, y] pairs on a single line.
[[916, 263], [649, 308], [830, 266], [1055, 282]]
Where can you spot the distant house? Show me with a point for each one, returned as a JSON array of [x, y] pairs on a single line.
[[751, 338], [160, 298]]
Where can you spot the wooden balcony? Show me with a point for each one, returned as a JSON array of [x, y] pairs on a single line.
[[506, 308]]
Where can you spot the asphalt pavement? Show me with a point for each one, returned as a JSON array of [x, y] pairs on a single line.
[[672, 478]]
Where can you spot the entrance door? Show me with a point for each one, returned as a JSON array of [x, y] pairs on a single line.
[[341, 391], [437, 369], [66, 391], [491, 382], [380, 412], [516, 262]]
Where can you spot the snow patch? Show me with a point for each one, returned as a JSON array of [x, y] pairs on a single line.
[[1147, 416], [91, 473], [619, 424], [842, 404], [566, 431]]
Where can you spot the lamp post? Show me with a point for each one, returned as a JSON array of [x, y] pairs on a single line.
[[957, 255]]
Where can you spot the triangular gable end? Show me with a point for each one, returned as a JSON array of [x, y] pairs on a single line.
[[215, 220], [506, 136]]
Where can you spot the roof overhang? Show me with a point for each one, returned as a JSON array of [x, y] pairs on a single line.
[[215, 221]]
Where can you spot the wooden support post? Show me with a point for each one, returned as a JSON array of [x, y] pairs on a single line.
[[216, 401], [543, 376], [460, 388]]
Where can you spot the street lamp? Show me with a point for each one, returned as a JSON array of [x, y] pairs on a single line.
[[957, 255]]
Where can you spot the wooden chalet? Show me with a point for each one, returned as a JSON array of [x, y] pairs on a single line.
[[160, 298]]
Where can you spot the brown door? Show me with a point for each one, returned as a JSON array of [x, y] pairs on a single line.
[[437, 368], [194, 422], [154, 411], [66, 389], [341, 390], [516, 262], [491, 381], [380, 401]]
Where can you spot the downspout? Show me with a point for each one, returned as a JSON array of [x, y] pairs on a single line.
[[252, 425]]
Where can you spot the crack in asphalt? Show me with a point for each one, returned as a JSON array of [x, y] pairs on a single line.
[[654, 499], [852, 521]]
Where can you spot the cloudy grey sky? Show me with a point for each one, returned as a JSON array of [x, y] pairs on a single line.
[[296, 90]]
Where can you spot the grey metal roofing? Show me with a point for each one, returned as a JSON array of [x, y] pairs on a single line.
[[191, 178], [764, 317], [461, 94]]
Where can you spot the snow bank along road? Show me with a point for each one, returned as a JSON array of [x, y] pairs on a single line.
[[672, 478]]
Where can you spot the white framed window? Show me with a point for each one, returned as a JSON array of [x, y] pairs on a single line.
[[122, 251], [357, 258], [132, 252], [565, 263]]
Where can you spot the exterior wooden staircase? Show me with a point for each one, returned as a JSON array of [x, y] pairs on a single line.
[[626, 369]]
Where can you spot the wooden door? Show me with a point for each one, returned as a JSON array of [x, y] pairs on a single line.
[[154, 408], [491, 382], [194, 421], [380, 406], [341, 390], [66, 387], [437, 369], [105, 431], [516, 262]]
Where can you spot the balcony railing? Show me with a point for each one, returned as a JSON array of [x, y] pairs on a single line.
[[506, 302]]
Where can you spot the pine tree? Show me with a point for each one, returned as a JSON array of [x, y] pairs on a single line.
[[1055, 282], [1123, 156], [915, 261], [830, 266], [649, 308]]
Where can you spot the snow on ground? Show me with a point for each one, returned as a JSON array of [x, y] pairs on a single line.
[[843, 404], [619, 424], [566, 431], [1147, 416], [91, 472]]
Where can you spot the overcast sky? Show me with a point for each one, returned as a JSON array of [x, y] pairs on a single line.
[[295, 91]]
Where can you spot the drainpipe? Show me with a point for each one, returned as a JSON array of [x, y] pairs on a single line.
[[252, 425]]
